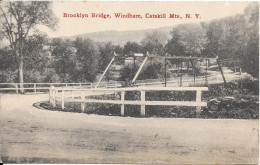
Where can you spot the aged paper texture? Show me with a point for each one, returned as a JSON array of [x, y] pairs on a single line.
[[129, 82]]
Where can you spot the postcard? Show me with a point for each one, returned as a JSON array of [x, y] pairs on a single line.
[[129, 82]]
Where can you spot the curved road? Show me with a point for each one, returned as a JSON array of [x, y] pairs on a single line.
[[31, 135]]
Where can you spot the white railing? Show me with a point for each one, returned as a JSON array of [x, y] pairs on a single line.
[[79, 95], [36, 87]]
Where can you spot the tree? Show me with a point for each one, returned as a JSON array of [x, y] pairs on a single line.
[[214, 32], [88, 55], [132, 47], [231, 41], [251, 56], [154, 42], [65, 59], [8, 65], [187, 40], [106, 53], [35, 57], [19, 19], [173, 47]]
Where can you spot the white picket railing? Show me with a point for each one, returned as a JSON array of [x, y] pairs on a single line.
[[79, 95]]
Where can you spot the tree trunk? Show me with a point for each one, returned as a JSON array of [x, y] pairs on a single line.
[[21, 73]]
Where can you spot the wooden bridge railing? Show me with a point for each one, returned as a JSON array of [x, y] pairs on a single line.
[[58, 94]]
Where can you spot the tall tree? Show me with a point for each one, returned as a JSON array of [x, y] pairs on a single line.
[[250, 58], [154, 42], [19, 19], [35, 57], [88, 55], [187, 40], [65, 59], [213, 34]]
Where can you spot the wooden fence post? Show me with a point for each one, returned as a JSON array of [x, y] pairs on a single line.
[[62, 99], [122, 105], [82, 103], [143, 103], [34, 86], [198, 99], [16, 88], [50, 95], [54, 98]]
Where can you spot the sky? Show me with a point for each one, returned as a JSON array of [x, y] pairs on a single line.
[[69, 26]]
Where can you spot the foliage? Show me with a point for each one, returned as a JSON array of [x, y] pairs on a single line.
[[36, 57], [107, 51], [250, 58], [153, 70], [64, 59], [127, 74], [187, 40], [154, 43], [88, 56], [58, 60], [18, 19], [132, 47]]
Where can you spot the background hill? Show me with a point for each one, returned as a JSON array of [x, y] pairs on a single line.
[[121, 37]]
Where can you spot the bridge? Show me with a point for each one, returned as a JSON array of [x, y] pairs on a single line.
[[32, 135]]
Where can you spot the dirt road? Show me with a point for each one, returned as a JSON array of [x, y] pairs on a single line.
[[31, 135]]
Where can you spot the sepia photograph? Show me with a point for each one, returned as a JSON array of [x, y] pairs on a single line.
[[129, 82]]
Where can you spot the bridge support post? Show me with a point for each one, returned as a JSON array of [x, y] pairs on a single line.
[[198, 99], [122, 105], [143, 103]]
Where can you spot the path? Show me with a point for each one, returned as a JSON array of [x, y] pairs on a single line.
[[31, 135]]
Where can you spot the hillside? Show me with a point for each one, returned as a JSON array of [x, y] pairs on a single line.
[[121, 37]]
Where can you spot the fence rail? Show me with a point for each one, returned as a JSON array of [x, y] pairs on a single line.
[[36, 87], [58, 94]]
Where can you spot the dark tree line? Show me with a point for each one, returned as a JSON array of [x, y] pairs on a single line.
[[63, 60]]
